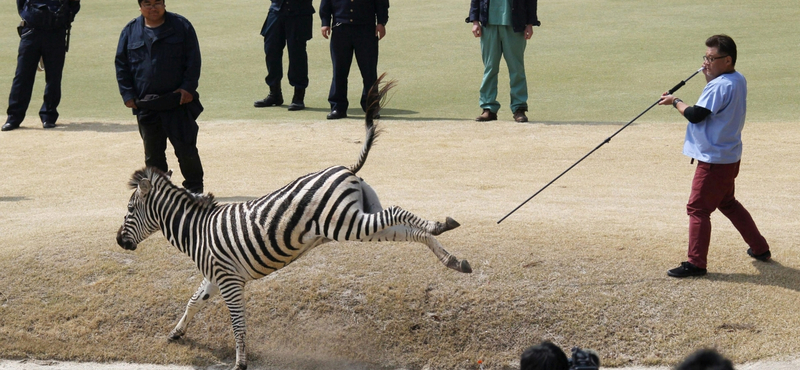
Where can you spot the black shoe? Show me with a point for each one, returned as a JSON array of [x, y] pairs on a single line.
[[48, 124], [272, 100], [686, 269], [297, 99], [764, 257], [336, 115], [8, 126]]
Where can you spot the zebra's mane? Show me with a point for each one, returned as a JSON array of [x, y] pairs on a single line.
[[157, 176]]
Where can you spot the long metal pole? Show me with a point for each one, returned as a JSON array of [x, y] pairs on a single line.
[[671, 91]]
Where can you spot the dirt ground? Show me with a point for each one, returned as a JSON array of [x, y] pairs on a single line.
[[584, 263]]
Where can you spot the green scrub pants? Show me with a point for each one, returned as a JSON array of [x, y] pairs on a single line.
[[497, 41]]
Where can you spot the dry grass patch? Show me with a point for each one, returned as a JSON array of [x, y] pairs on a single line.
[[583, 264]]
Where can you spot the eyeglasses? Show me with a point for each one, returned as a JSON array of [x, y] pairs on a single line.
[[151, 5], [712, 59]]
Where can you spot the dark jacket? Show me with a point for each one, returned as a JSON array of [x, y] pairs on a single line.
[[292, 8], [48, 14], [523, 12], [172, 62], [359, 12]]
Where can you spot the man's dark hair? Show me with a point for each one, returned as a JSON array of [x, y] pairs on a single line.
[[724, 44], [140, 2], [705, 359], [544, 356]]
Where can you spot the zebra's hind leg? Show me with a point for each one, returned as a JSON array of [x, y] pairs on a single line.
[[201, 296], [411, 233]]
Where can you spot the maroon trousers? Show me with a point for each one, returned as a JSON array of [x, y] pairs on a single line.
[[712, 188]]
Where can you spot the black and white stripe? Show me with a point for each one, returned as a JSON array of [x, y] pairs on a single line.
[[235, 243]]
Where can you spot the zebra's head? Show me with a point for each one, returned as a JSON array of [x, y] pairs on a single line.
[[139, 223]]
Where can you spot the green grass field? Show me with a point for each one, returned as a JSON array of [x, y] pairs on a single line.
[[583, 264], [590, 61]]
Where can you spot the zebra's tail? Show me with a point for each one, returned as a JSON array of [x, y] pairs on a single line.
[[376, 98]]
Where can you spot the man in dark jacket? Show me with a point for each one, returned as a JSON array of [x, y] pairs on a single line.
[[352, 27], [158, 68], [288, 23], [43, 35], [504, 27]]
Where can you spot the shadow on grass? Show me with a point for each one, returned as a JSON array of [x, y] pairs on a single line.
[[771, 273], [581, 123], [98, 127], [13, 199]]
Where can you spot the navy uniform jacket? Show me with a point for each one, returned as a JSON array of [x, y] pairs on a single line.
[[359, 12], [523, 12], [289, 8], [48, 14], [293, 7], [171, 63]]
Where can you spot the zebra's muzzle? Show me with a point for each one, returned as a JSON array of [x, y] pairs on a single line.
[[126, 244]]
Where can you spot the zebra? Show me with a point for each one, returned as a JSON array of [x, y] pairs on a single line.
[[234, 243]]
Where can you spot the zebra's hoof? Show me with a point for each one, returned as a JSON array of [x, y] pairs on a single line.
[[174, 337], [465, 267], [451, 223]]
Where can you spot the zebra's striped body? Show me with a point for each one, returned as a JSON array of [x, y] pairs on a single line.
[[235, 243]]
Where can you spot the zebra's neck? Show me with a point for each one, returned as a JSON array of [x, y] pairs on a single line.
[[181, 218]]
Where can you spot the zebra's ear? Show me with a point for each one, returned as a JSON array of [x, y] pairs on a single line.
[[169, 174], [144, 187]]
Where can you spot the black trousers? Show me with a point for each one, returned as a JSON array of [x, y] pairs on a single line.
[[292, 33], [181, 130], [50, 46], [347, 40]]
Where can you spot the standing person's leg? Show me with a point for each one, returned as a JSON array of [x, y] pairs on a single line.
[[29, 52], [182, 132], [490, 53], [274, 42], [710, 184], [154, 138], [367, 58], [53, 55], [342, 58], [514, 44], [298, 32], [741, 218]]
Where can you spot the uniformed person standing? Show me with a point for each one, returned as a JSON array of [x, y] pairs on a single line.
[[43, 35], [158, 69], [289, 23], [354, 26]]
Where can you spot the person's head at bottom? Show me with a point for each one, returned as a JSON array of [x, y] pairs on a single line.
[[544, 356], [705, 359]]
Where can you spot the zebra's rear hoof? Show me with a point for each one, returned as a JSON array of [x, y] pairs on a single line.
[[449, 224], [465, 267]]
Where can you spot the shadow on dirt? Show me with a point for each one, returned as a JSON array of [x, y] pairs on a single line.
[[772, 273], [98, 127], [13, 199]]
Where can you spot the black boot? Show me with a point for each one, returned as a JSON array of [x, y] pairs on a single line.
[[297, 99], [275, 98]]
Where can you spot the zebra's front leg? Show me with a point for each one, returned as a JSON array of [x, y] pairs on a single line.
[[233, 294], [201, 296]]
